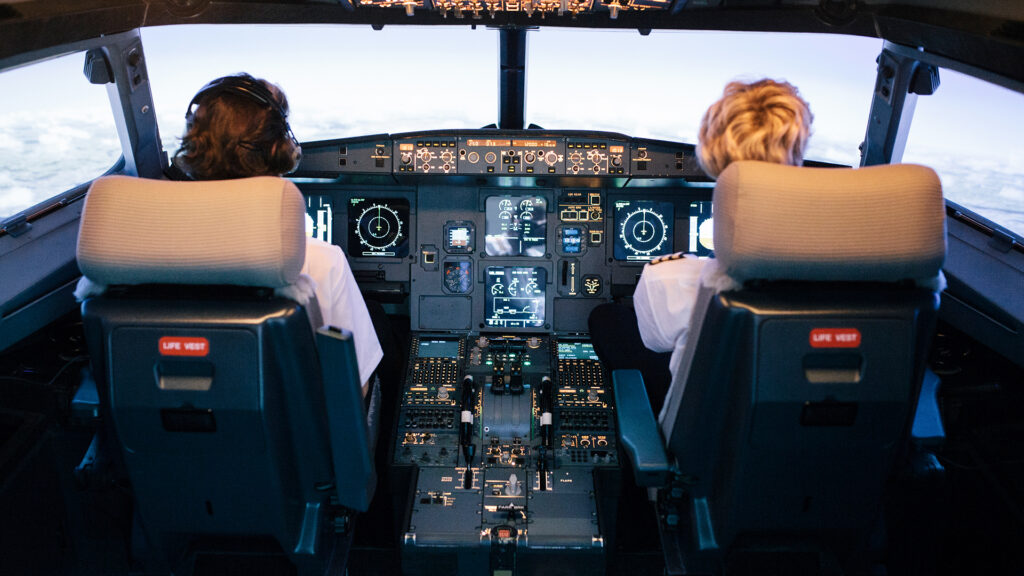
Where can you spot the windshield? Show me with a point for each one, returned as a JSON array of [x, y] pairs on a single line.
[[659, 86], [340, 80], [346, 81]]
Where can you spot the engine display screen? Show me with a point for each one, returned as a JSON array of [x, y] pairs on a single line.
[[320, 217], [438, 349], [516, 226], [701, 229], [515, 296], [576, 351], [378, 227], [643, 229]]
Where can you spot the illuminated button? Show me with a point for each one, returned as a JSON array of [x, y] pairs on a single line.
[[529, 169], [511, 169], [596, 236], [490, 168]]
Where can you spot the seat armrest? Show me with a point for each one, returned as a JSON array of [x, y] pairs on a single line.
[[351, 452], [928, 431], [638, 431]]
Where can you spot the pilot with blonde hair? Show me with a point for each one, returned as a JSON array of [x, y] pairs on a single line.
[[764, 120], [237, 127]]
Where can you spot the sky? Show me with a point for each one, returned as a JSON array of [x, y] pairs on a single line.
[[351, 81]]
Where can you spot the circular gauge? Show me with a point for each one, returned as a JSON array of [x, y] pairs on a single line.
[[458, 277], [379, 227], [643, 232]]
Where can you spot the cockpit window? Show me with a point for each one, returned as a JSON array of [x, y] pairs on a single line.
[[56, 131], [340, 80], [658, 86], [969, 132]]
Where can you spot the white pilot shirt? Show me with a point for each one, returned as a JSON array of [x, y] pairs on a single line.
[[341, 304], [664, 301]]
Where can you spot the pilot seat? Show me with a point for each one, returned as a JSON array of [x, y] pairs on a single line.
[[795, 394], [240, 422]]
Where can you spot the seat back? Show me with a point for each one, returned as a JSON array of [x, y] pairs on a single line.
[[796, 390], [212, 383]]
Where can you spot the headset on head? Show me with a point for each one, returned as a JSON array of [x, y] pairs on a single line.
[[247, 87]]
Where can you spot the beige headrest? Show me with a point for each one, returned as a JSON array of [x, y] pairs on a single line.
[[882, 223], [247, 232]]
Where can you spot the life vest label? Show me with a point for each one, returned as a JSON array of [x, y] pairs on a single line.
[[835, 338], [184, 346]]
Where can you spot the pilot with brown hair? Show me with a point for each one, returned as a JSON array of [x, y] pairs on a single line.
[[237, 127], [764, 120]]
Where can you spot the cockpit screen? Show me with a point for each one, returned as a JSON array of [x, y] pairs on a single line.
[[515, 296], [438, 349], [378, 227], [576, 351], [701, 229], [516, 226], [643, 229], [319, 217]]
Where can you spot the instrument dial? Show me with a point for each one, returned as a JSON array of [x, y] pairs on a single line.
[[643, 232], [458, 277], [379, 227]]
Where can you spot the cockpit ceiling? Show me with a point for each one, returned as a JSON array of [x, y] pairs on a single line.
[[985, 34]]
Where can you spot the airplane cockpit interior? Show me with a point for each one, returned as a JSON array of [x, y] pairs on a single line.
[[846, 397]]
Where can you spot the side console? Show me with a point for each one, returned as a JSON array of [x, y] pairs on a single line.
[[508, 438]]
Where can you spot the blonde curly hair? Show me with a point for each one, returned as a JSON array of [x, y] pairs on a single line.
[[764, 120]]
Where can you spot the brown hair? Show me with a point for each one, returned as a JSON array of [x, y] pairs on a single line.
[[233, 136], [764, 120]]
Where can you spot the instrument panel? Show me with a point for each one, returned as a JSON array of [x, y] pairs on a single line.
[[492, 230]]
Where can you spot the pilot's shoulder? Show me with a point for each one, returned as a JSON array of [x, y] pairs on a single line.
[[668, 258]]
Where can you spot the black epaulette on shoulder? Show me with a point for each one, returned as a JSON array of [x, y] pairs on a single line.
[[668, 257]]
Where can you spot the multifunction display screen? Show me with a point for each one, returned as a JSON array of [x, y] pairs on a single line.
[[378, 227], [515, 296], [438, 349], [320, 217], [516, 226], [576, 351], [701, 229], [643, 229]]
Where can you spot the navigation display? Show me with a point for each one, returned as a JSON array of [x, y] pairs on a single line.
[[516, 226], [378, 227], [643, 229], [514, 296], [438, 349], [319, 217], [576, 351], [701, 229]]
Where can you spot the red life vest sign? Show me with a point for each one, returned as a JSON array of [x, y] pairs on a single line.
[[835, 338], [184, 346]]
